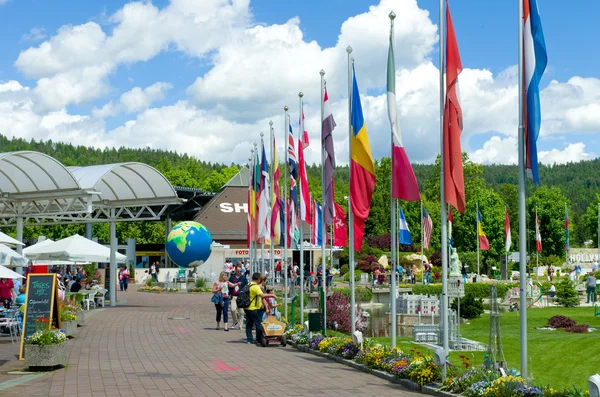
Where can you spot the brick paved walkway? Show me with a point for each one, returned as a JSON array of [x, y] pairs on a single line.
[[144, 348]]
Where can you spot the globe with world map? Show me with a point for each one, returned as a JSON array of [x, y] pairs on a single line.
[[189, 244]]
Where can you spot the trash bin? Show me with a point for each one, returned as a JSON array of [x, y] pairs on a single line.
[[474, 279], [315, 322]]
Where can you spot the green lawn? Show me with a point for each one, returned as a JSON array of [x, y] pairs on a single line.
[[558, 358]]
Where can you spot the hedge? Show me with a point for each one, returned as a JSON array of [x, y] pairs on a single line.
[[477, 290], [363, 295]]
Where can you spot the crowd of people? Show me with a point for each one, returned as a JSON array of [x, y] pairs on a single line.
[[226, 291]]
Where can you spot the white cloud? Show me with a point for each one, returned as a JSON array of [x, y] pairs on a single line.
[[254, 70], [35, 34], [504, 151]]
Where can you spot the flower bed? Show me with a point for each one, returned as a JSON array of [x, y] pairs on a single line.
[[418, 371]]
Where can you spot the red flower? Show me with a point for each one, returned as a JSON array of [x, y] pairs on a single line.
[[467, 365], [463, 357]]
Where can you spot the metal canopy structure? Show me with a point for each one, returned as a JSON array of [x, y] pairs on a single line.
[[35, 184]]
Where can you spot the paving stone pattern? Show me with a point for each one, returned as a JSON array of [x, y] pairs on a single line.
[[166, 345]]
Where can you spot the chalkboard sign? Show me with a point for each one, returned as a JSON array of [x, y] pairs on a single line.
[[42, 300]]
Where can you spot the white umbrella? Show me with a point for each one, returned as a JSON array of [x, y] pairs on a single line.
[[76, 249], [7, 273], [6, 239], [36, 248], [9, 257]]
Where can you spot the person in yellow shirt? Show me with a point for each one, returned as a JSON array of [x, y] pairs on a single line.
[[254, 311]]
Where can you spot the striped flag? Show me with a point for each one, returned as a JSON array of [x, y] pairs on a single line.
[[362, 182], [328, 125], [317, 237], [404, 182], [305, 214], [450, 227], [340, 230], [427, 228], [275, 199], [305, 141], [484, 244], [535, 60], [250, 214], [507, 236], [405, 236], [538, 234], [264, 223], [454, 180]]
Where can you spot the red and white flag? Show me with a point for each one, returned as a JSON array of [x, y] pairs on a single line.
[[305, 214], [340, 228], [404, 182], [507, 236], [538, 235], [427, 228], [305, 141]]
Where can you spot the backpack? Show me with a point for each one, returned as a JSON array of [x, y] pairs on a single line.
[[243, 299]]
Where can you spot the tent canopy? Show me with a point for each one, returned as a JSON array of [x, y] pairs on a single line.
[[6, 239], [9, 257], [75, 249], [7, 273]]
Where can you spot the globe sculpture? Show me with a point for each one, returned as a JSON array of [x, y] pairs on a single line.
[[189, 244]]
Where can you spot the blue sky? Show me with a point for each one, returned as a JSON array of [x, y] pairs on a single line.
[[486, 32]]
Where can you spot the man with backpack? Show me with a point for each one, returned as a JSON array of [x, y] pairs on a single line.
[[250, 299], [236, 277]]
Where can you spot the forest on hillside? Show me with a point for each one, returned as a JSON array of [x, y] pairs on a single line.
[[493, 187]]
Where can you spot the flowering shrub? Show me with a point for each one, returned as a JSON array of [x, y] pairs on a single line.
[[71, 307], [581, 328], [290, 332], [338, 311], [481, 376], [560, 322], [350, 350], [507, 386], [333, 345], [314, 341], [66, 315], [45, 333]]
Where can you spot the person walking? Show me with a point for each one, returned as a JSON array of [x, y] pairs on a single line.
[[153, 272], [463, 271], [591, 288], [255, 310], [220, 298], [239, 281]]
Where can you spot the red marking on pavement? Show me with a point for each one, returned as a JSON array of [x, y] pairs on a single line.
[[182, 330], [177, 310], [221, 366]]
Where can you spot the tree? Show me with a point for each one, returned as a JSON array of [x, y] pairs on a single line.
[[589, 221], [550, 205], [566, 295]]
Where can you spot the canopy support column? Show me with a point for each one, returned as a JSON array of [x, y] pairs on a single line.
[[168, 227], [20, 234], [113, 259], [88, 231]]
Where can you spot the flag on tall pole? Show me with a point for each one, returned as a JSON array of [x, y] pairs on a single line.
[[362, 181], [293, 173], [305, 141], [304, 193], [340, 230], [404, 182], [328, 125], [535, 60], [317, 230], [484, 244], [427, 228], [264, 222], [275, 199], [404, 234], [566, 228], [538, 234], [250, 212], [454, 182], [507, 236]]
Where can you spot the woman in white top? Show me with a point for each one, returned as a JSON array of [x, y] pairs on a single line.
[[221, 288]]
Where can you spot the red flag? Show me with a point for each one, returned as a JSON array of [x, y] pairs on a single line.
[[454, 182], [340, 228], [538, 234], [305, 214]]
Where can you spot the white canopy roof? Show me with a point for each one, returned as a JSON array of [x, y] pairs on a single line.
[[76, 249], [27, 172], [9, 257], [7, 273], [6, 239], [124, 182], [36, 248]]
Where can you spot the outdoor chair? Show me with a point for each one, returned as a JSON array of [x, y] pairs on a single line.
[[79, 297], [89, 298], [100, 295], [13, 322]]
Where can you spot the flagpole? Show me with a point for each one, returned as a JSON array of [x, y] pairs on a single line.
[[250, 189], [505, 249], [285, 212], [598, 232], [262, 240], [350, 212], [522, 205], [537, 253], [393, 205], [251, 204], [566, 235], [323, 228], [422, 238], [477, 235], [444, 234], [271, 192], [301, 227]]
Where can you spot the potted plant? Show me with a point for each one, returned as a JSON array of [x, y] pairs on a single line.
[[68, 321], [76, 309], [47, 347]]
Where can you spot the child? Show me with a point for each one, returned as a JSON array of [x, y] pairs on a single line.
[[272, 306]]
